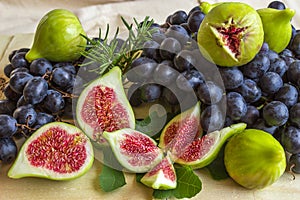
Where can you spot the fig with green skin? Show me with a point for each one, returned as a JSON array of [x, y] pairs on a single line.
[[205, 7], [277, 27], [135, 151], [254, 159], [58, 37], [56, 151], [202, 151], [231, 34], [181, 131], [103, 106], [162, 176]]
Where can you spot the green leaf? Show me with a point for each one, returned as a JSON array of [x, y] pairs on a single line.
[[139, 176], [188, 185], [111, 179], [217, 168]]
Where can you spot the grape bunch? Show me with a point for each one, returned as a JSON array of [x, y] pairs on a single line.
[[36, 93], [263, 93]]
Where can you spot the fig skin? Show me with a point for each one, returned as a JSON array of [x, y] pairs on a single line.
[[239, 16], [277, 27], [254, 159], [58, 37]]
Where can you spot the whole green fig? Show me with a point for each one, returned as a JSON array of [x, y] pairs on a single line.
[[254, 159], [231, 34], [58, 37], [277, 27]]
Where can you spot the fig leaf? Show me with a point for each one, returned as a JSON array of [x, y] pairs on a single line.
[[188, 184], [217, 168], [111, 179]]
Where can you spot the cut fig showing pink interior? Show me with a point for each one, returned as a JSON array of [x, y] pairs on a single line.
[[103, 106], [135, 151], [181, 131], [202, 151], [162, 176], [57, 151]]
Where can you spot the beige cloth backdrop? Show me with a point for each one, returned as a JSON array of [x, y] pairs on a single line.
[[22, 16]]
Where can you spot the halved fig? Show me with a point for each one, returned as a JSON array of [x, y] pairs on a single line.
[[162, 176], [181, 131], [57, 151], [202, 151], [136, 151], [103, 106]]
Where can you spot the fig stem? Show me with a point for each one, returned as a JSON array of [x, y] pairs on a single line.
[[291, 171]]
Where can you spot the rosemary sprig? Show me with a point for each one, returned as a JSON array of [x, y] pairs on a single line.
[[108, 54]]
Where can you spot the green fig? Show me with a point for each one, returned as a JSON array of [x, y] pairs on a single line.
[[58, 37], [254, 159], [277, 27], [231, 34], [205, 7]]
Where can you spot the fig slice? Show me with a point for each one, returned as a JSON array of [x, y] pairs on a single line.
[[136, 151], [57, 151], [181, 131], [103, 106], [162, 176], [202, 151]]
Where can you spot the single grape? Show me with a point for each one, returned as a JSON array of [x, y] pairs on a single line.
[[35, 90], [62, 78], [262, 125], [20, 69], [8, 150], [186, 27], [53, 102], [293, 73], [236, 105], [270, 83], [294, 163], [40, 66], [287, 94], [67, 66], [278, 66], [264, 48], [169, 47], [232, 77], [194, 20], [272, 55], [19, 60], [290, 139], [164, 74], [18, 80], [257, 67], [22, 102], [7, 106], [11, 54], [184, 60], [275, 113], [151, 50], [8, 126], [8, 69], [25, 115], [24, 50], [212, 118], [209, 93], [295, 45], [169, 96], [250, 91], [196, 8], [179, 33], [295, 115], [158, 37], [11, 94], [150, 92], [134, 95], [178, 17], [189, 80], [43, 118], [277, 5], [141, 69], [251, 115]]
